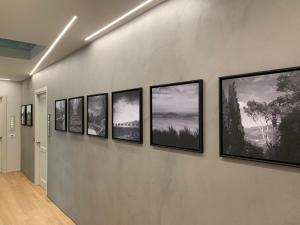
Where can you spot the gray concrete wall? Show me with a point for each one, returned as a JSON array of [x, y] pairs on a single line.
[[107, 182]]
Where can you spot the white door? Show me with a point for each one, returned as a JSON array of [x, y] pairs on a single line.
[[41, 139]]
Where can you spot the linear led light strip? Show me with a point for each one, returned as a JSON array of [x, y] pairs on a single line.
[[5, 79], [118, 20], [54, 44]]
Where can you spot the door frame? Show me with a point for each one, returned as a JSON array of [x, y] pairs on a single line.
[[3, 150], [36, 135]]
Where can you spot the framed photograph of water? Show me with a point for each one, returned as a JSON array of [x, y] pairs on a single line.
[[260, 116], [176, 115], [97, 113], [61, 115], [76, 115], [127, 115]]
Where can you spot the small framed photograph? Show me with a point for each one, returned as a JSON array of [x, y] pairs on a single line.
[[29, 115], [23, 115], [61, 115], [97, 115], [176, 115], [127, 115], [76, 115], [260, 116]]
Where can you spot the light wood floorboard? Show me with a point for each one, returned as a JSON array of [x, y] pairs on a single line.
[[22, 203]]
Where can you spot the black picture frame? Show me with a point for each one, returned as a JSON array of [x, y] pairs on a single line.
[[140, 108], [199, 139], [23, 115], [80, 117], [105, 95], [276, 72], [65, 113], [29, 115]]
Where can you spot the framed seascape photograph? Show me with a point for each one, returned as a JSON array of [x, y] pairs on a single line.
[[176, 115], [97, 115], [29, 115], [127, 115], [76, 115], [61, 115], [260, 116], [23, 115]]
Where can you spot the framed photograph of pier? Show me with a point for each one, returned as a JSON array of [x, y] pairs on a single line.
[[76, 115], [29, 115], [260, 116], [97, 115], [61, 115], [23, 115], [127, 115], [176, 115]]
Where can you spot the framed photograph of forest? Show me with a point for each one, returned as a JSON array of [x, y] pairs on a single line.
[[260, 116], [23, 115], [29, 115], [76, 115], [97, 115], [61, 115], [176, 115], [127, 115]]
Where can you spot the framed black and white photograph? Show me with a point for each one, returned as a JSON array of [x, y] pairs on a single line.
[[260, 116], [29, 115], [176, 115], [76, 115], [23, 115], [127, 115], [97, 115], [61, 115]]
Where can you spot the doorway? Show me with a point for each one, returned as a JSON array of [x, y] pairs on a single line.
[[40, 126], [3, 134]]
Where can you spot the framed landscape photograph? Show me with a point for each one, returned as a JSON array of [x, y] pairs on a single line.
[[127, 115], [97, 115], [29, 115], [61, 115], [260, 116], [176, 115], [23, 115], [76, 115]]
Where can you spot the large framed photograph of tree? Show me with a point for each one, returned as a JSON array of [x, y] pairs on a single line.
[[76, 115], [127, 115], [260, 116], [176, 115], [61, 115], [97, 115]]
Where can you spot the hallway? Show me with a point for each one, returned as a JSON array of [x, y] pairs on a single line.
[[22, 203]]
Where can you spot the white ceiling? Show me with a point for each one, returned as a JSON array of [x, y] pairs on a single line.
[[41, 21]]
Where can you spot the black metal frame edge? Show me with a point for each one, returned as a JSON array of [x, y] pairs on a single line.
[[201, 92], [259, 73], [66, 115], [141, 115], [106, 115], [82, 117]]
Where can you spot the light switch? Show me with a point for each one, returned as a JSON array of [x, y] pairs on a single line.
[[12, 123]]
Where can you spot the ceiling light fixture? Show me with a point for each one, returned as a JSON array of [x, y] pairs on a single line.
[[118, 20], [6, 79], [54, 44]]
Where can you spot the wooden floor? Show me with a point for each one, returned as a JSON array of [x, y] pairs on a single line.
[[22, 203]]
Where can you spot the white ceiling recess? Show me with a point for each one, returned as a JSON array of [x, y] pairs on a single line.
[[40, 22]]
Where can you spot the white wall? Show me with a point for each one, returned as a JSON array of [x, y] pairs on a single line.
[[12, 90]]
